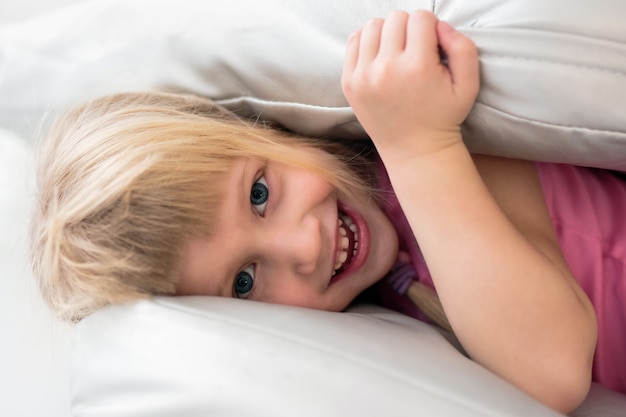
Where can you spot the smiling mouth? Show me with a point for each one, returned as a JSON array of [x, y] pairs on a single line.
[[348, 242]]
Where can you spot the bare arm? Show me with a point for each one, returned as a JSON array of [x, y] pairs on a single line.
[[506, 290]]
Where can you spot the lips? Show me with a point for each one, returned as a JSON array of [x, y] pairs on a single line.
[[352, 243]]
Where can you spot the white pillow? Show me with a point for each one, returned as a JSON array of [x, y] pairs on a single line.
[[201, 356], [34, 347], [553, 73]]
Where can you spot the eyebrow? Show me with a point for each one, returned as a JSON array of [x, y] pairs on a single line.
[[242, 183], [226, 286]]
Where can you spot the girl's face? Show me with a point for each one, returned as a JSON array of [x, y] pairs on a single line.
[[283, 235]]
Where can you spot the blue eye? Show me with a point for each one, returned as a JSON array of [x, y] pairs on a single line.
[[244, 282], [259, 195]]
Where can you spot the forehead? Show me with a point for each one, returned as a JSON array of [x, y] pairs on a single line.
[[205, 260], [202, 269]]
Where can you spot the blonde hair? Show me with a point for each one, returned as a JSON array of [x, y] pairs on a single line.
[[124, 180]]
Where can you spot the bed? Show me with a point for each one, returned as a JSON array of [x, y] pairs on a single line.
[[553, 88]]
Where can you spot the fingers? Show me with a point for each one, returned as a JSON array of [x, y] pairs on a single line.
[[422, 36], [370, 40], [377, 37], [393, 36], [352, 54], [363, 46], [462, 56], [413, 42]]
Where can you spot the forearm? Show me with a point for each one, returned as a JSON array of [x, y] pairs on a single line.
[[511, 307], [505, 287]]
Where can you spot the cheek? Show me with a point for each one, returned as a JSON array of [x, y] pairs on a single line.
[[328, 301], [385, 236], [384, 255], [293, 296], [391, 246]]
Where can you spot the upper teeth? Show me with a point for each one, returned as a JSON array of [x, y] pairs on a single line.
[[345, 222]]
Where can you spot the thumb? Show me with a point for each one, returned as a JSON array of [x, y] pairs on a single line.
[[462, 58]]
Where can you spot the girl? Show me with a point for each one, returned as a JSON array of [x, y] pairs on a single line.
[[166, 194]]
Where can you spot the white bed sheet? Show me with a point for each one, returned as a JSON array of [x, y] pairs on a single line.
[[34, 348], [34, 352]]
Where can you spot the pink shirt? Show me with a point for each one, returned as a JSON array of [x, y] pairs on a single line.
[[588, 210]]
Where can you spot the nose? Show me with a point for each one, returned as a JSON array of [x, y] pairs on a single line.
[[297, 245]]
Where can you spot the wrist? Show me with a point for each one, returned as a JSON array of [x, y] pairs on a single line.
[[420, 146], [443, 169]]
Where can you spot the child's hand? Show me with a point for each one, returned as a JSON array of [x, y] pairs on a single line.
[[404, 96]]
